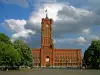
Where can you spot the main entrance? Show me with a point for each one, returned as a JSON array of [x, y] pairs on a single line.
[[47, 60]]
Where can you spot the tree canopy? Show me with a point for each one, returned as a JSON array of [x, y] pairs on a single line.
[[8, 55], [25, 52], [4, 38], [17, 53], [92, 54]]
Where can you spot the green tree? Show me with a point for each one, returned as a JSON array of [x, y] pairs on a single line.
[[4, 38], [9, 56], [25, 52], [92, 55], [16, 53]]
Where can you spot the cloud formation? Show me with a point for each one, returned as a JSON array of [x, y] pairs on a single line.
[[67, 19], [86, 31], [18, 28], [80, 40]]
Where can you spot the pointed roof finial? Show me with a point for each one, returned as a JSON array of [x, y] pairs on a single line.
[[46, 13]]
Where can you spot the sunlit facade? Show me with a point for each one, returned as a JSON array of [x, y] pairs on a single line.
[[48, 56]]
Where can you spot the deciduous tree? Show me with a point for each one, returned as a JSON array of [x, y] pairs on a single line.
[[25, 52], [92, 54]]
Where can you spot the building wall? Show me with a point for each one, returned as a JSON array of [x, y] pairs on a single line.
[[68, 58], [36, 57], [58, 57], [46, 53]]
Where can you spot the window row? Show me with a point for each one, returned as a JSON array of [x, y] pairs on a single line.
[[67, 53], [36, 55], [67, 56], [65, 60], [60, 64]]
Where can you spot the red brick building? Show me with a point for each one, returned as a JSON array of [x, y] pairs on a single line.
[[48, 56]]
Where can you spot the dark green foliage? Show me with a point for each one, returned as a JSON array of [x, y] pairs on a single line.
[[25, 52], [8, 55], [14, 54], [4, 38], [92, 54]]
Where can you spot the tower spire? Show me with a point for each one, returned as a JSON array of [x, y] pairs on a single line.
[[46, 13]]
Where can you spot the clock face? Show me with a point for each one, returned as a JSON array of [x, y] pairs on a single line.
[[47, 26]]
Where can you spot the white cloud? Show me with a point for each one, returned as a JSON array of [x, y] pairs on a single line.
[[93, 37], [24, 34], [22, 3], [80, 41], [86, 31], [17, 27], [63, 40], [52, 10], [76, 41], [66, 19], [14, 25]]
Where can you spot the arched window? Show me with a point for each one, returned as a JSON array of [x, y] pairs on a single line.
[[50, 46]]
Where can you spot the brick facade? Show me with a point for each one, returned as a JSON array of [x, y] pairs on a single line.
[[48, 56]]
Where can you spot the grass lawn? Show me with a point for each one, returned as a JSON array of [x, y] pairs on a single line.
[[51, 72]]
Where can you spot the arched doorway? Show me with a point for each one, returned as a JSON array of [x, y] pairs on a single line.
[[47, 60]]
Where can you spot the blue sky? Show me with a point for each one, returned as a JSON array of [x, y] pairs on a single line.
[[9, 11], [75, 23]]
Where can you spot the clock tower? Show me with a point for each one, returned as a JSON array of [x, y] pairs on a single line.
[[48, 56], [47, 46], [46, 33]]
